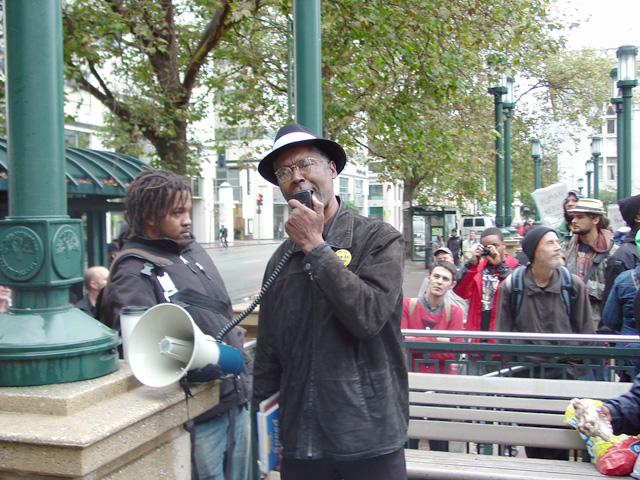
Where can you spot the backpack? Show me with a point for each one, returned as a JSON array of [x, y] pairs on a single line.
[[447, 309], [517, 288]]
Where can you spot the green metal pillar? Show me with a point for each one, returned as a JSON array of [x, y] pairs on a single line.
[[43, 340], [96, 232], [596, 176], [497, 94], [508, 199], [307, 58], [627, 171], [626, 82]]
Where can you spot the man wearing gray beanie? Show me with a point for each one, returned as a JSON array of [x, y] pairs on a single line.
[[531, 300]]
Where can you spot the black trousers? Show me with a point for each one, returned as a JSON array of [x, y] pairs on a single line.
[[384, 467]]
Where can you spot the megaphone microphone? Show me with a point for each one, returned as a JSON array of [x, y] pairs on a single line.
[[166, 343]]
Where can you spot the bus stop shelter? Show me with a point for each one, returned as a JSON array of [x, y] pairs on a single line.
[[96, 183], [427, 222]]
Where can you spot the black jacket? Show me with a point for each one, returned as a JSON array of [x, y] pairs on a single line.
[[132, 283], [624, 258], [329, 340]]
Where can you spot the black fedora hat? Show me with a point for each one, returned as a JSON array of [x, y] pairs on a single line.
[[295, 134]]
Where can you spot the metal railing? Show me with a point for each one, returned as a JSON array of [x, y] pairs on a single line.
[[592, 356]]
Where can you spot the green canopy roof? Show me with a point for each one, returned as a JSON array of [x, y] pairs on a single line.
[[89, 172]]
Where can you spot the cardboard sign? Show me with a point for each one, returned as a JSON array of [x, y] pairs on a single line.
[[615, 217], [549, 201]]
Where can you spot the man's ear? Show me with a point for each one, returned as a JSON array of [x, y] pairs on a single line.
[[333, 169], [453, 284]]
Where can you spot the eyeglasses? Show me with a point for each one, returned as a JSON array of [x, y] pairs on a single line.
[[285, 174]]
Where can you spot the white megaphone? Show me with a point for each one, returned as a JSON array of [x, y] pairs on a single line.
[[166, 343]]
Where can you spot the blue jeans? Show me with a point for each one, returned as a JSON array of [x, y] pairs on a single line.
[[210, 446]]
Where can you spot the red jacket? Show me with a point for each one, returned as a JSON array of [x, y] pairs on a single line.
[[470, 286], [438, 322]]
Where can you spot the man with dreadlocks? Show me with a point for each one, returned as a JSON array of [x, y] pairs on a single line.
[[160, 257]]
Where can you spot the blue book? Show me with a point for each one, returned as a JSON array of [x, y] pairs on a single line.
[[268, 434]]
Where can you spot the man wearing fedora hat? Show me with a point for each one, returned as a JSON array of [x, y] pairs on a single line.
[[329, 325], [587, 252]]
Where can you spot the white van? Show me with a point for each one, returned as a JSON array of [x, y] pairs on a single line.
[[478, 224]]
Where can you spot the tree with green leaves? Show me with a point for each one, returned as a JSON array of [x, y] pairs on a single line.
[[404, 83], [150, 63]]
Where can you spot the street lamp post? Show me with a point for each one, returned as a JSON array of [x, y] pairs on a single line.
[[508, 105], [536, 154], [580, 184], [616, 101], [595, 153], [498, 90], [626, 82], [589, 169]]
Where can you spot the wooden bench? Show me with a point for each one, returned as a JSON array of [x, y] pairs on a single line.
[[502, 411]]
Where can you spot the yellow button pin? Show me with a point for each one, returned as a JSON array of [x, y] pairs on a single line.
[[345, 256]]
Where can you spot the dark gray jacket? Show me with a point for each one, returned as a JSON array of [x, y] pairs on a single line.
[[131, 283], [329, 340]]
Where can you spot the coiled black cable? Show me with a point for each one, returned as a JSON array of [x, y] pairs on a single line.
[[227, 328]]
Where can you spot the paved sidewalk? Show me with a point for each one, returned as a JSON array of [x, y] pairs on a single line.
[[414, 273]]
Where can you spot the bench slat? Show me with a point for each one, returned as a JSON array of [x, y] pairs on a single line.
[[527, 387], [450, 466], [499, 434], [488, 401], [478, 415]]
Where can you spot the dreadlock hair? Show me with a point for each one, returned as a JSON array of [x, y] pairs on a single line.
[[150, 196]]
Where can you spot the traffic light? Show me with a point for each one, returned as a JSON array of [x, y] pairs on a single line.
[[259, 199]]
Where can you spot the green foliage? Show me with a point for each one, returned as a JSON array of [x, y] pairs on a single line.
[[406, 82], [608, 197], [147, 62]]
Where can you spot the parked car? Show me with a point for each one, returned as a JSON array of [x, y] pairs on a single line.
[[477, 223]]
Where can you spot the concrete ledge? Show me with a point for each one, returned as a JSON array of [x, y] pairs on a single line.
[[70, 430]]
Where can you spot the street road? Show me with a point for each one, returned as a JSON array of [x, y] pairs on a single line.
[[242, 268]]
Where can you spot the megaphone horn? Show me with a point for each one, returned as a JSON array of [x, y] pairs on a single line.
[[166, 343]]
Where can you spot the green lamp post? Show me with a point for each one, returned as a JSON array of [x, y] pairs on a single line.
[[508, 105], [589, 170], [498, 90], [626, 82], [596, 143], [307, 64], [616, 101], [580, 184], [43, 340], [536, 154]]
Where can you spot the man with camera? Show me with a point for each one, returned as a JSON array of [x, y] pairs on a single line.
[[479, 280]]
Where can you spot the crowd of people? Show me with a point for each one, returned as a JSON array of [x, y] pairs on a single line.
[[329, 328]]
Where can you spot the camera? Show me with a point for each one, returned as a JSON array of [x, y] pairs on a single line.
[[486, 251]]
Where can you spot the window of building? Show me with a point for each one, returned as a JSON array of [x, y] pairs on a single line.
[[73, 138], [344, 187], [376, 212], [611, 126], [195, 187], [612, 168], [376, 192], [358, 186]]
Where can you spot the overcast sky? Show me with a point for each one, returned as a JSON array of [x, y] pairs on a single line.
[[603, 23]]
